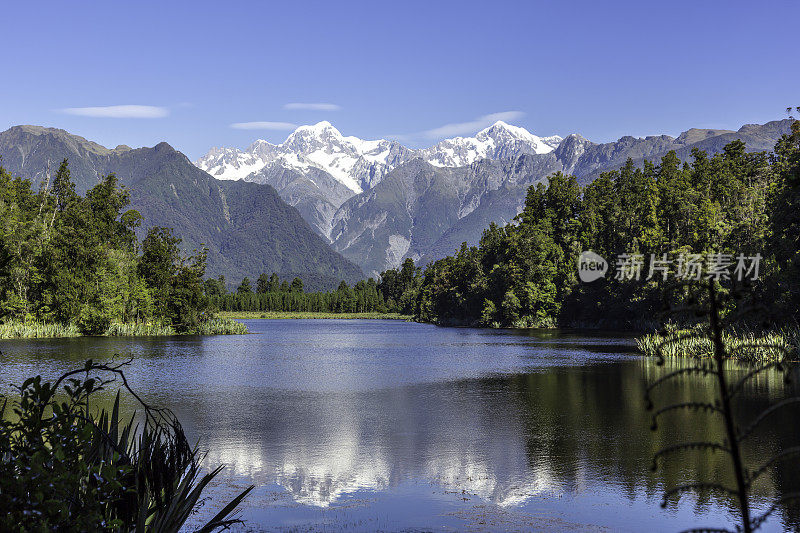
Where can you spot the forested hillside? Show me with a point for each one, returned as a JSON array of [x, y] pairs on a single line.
[[525, 274], [246, 227]]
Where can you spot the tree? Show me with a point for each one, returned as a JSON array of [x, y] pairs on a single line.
[[262, 284], [785, 222], [524, 273], [63, 187], [399, 287], [297, 285], [71, 259], [274, 283], [188, 305], [244, 287], [215, 288], [159, 264]]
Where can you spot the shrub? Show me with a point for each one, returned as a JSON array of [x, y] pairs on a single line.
[[65, 468], [93, 321]]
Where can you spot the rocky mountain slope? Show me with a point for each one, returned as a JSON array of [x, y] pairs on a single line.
[[415, 208], [378, 202], [426, 212], [328, 168]]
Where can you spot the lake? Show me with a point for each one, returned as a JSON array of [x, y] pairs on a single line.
[[386, 425]]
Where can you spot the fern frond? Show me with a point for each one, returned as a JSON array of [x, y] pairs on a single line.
[[765, 414], [700, 445], [785, 454], [688, 487], [692, 406], [752, 373]]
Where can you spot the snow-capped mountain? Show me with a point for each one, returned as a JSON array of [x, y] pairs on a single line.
[[499, 141], [355, 163], [317, 169], [234, 164], [360, 164]]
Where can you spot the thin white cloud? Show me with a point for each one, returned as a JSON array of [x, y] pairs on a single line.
[[399, 137], [262, 125], [299, 106], [119, 111], [466, 128]]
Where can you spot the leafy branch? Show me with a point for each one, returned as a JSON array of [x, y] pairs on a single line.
[[718, 369]]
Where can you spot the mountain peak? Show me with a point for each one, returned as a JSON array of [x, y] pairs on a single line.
[[319, 127], [571, 149], [504, 131], [499, 141], [501, 126], [359, 164], [694, 135]]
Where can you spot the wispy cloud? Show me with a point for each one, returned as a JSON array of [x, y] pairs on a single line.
[[119, 111], [262, 125], [399, 137], [465, 128], [295, 106]]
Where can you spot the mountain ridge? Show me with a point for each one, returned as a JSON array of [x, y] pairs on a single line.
[[498, 192], [311, 151], [410, 206], [247, 227]]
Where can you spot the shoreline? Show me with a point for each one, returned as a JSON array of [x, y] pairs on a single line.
[[302, 315], [47, 330]]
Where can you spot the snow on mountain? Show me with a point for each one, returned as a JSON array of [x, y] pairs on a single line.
[[356, 163], [360, 164], [498, 141], [234, 164]]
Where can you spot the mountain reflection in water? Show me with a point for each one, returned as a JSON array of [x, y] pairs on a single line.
[[375, 424]]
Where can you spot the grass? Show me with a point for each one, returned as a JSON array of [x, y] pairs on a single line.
[[307, 314], [221, 326], [138, 329], [742, 345], [37, 330]]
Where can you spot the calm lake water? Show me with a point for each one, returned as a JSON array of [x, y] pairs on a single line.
[[394, 426]]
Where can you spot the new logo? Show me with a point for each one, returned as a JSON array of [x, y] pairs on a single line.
[[591, 266]]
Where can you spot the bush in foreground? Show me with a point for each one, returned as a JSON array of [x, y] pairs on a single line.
[[66, 467]]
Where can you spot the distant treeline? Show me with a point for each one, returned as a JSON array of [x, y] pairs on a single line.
[[272, 294], [524, 274], [67, 259]]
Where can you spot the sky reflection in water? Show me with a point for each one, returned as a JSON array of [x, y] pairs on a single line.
[[364, 425]]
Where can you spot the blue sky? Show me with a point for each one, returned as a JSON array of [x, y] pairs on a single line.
[[415, 70]]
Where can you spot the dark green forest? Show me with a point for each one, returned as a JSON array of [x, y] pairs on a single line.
[[524, 274], [272, 294], [69, 259]]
